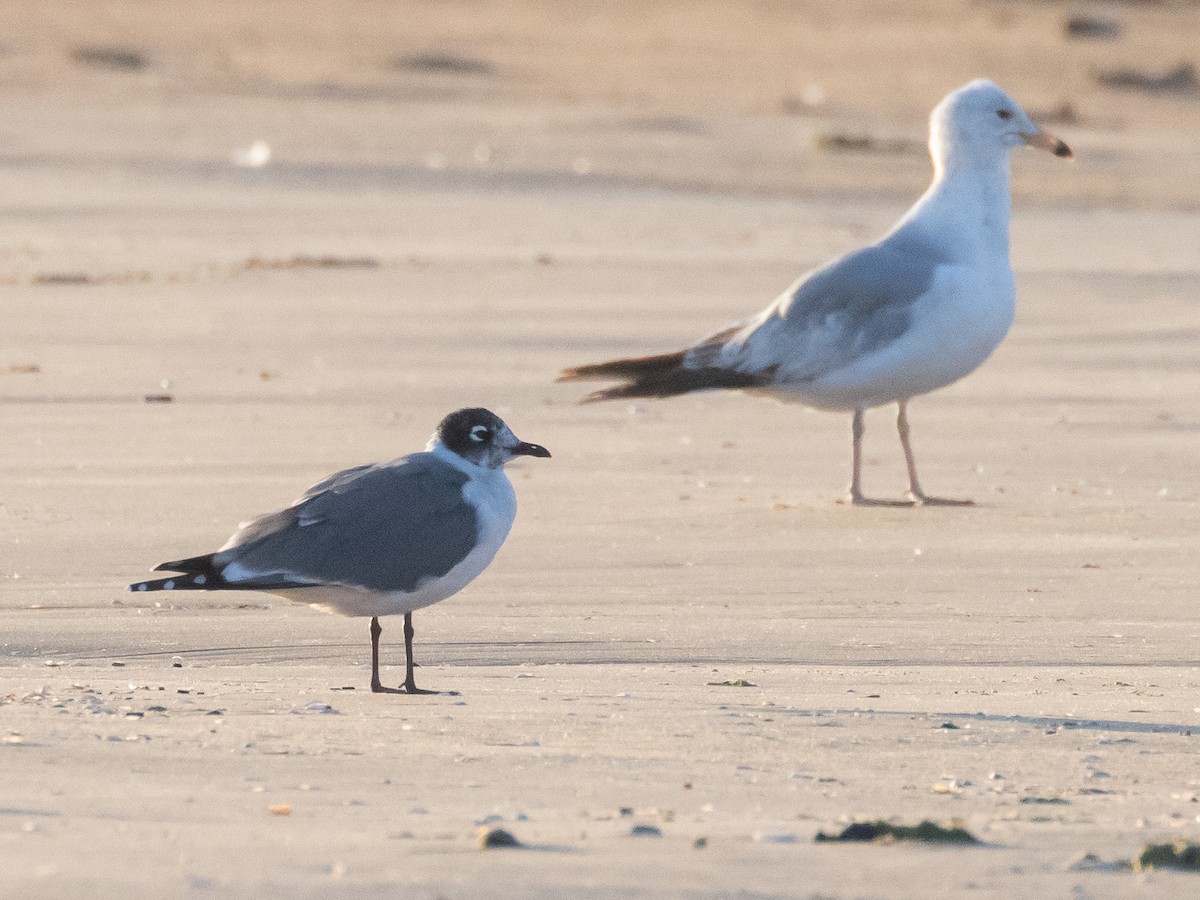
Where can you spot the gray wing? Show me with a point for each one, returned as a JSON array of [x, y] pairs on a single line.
[[385, 527], [870, 293], [847, 308], [333, 480]]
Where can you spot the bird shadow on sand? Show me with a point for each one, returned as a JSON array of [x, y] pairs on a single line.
[[577, 652], [1044, 722], [545, 848]]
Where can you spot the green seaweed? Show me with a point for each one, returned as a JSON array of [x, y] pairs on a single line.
[[1178, 854], [881, 832]]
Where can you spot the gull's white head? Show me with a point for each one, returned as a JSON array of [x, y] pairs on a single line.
[[976, 125]]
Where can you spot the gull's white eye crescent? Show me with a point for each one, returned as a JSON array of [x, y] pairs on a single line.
[[480, 433]]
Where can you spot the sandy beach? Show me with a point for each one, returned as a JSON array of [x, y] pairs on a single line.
[[686, 633]]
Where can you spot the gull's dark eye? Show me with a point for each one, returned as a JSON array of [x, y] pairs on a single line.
[[1004, 113]]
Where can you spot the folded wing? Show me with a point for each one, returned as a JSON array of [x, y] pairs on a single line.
[[387, 527], [830, 318]]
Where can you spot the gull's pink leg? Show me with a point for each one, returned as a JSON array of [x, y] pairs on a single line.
[[915, 493], [857, 429]]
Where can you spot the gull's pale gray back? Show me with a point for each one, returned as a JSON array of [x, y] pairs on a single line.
[[833, 315]]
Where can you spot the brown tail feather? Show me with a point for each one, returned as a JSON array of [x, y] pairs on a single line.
[[657, 376], [632, 368]]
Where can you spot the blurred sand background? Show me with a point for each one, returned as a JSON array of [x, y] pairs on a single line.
[[460, 199]]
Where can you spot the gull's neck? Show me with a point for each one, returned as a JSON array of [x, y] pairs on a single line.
[[446, 455], [472, 470], [965, 209]]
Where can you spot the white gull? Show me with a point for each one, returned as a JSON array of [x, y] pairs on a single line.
[[914, 312]]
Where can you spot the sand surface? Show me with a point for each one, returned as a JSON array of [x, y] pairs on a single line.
[[462, 198]]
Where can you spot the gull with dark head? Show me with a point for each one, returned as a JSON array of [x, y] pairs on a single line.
[[914, 312], [378, 540]]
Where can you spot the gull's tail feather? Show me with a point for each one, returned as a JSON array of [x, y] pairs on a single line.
[[664, 375], [204, 573], [631, 369], [199, 575], [192, 581]]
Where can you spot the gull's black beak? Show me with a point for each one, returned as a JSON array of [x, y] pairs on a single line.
[[524, 449]]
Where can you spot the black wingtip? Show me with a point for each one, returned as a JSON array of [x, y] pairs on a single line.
[[189, 581], [202, 563]]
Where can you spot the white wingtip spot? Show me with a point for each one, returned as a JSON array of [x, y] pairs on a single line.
[[168, 585], [200, 579], [142, 586]]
